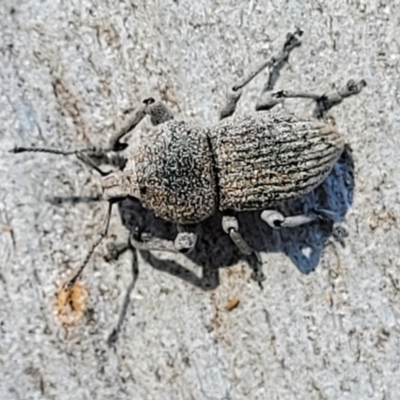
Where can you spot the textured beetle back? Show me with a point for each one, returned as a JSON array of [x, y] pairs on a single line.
[[265, 159], [175, 173]]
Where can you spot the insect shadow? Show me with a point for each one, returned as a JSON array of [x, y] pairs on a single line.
[[214, 249]]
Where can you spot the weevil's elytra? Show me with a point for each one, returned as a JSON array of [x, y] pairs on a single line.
[[263, 159], [242, 163]]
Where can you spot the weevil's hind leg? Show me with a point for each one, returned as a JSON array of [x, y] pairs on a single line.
[[274, 66], [324, 101], [230, 225], [277, 220]]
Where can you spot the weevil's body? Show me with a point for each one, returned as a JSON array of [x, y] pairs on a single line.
[[242, 164]]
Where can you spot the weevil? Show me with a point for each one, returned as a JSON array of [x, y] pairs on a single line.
[[243, 163]]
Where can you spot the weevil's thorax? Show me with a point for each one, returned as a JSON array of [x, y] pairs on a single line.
[[175, 173]]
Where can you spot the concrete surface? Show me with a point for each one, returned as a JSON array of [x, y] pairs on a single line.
[[71, 73]]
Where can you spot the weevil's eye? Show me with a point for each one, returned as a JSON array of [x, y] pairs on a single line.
[[149, 101]]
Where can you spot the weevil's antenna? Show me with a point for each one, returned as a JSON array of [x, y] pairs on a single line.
[[91, 156], [44, 150], [71, 282], [114, 145]]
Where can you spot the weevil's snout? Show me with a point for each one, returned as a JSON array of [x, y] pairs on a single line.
[[121, 183]]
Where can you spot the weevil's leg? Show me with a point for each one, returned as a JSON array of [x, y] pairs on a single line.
[[274, 66], [115, 143], [230, 225], [158, 112], [183, 243], [277, 220], [329, 100], [324, 101], [71, 282]]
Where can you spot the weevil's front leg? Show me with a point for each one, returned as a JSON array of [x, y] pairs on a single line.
[[277, 220], [183, 243], [230, 225], [274, 66], [115, 143], [324, 101], [158, 112]]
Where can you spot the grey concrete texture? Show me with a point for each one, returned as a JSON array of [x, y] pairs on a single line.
[[326, 323]]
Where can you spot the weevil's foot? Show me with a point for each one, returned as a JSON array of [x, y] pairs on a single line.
[[114, 250], [185, 242], [339, 233], [352, 87], [256, 265]]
